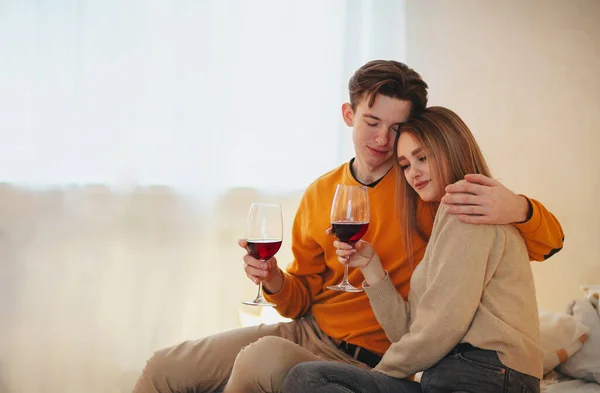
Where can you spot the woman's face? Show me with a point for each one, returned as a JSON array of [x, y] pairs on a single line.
[[415, 164]]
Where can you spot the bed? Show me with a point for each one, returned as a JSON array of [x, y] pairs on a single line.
[[571, 341]]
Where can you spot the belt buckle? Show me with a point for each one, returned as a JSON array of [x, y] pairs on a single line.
[[357, 352], [347, 347]]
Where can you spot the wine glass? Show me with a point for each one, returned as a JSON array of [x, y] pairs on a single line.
[[264, 232], [349, 222]]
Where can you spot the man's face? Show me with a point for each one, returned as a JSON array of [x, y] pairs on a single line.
[[374, 130]]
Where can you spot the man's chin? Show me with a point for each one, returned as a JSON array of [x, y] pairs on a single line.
[[373, 163], [384, 161]]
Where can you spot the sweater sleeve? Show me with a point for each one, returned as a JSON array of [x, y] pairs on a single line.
[[303, 278], [457, 260], [543, 233], [386, 301]]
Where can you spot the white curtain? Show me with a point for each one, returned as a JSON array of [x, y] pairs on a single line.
[[134, 136]]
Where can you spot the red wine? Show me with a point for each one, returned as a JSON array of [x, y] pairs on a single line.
[[263, 249], [349, 232]]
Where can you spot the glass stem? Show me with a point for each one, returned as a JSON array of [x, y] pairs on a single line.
[[345, 280], [259, 296]]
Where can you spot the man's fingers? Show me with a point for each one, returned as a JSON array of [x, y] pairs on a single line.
[[461, 199], [459, 186], [481, 179], [466, 209], [271, 263], [256, 263], [254, 279], [242, 243], [254, 273], [467, 219], [464, 187]]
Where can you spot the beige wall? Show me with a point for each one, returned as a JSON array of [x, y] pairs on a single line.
[[525, 75]]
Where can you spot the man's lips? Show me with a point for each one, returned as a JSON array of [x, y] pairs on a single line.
[[378, 152]]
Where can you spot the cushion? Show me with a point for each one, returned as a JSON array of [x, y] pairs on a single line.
[[561, 336], [592, 293], [585, 364]]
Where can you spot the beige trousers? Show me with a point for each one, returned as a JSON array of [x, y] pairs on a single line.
[[253, 359]]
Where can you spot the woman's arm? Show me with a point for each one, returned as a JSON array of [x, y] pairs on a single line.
[[385, 298], [390, 309]]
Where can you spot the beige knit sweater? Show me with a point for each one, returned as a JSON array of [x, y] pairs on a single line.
[[474, 285]]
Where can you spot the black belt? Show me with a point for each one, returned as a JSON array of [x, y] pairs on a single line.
[[361, 354], [464, 347]]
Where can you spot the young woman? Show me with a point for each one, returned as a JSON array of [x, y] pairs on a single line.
[[470, 321]]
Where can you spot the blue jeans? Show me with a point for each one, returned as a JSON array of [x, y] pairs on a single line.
[[464, 369]]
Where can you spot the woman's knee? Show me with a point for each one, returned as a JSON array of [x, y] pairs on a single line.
[[305, 377]]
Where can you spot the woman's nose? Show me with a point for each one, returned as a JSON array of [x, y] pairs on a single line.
[[416, 173]]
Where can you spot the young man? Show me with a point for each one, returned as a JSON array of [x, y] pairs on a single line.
[[334, 325]]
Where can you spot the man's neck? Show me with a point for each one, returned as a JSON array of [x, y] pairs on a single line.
[[369, 176]]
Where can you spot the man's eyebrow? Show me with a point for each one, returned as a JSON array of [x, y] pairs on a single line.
[[397, 125], [371, 116]]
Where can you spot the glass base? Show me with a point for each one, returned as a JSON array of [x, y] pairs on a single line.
[[345, 287], [259, 302]]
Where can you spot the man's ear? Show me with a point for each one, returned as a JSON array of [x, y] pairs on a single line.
[[348, 114]]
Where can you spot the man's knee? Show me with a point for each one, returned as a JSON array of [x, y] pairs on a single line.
[[155, 373], [267, 353], [167, 371], [262, 365], [203, 364]]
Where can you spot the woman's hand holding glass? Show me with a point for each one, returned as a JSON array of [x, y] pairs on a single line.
[[361, 255]]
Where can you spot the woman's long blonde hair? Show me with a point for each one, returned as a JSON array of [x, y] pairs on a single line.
[[452, 153]]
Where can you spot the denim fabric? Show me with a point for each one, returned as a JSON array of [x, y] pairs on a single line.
[[333, 377], [472, 370], [476, 371]]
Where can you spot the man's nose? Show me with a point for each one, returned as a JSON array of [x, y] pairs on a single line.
[[382, 138]]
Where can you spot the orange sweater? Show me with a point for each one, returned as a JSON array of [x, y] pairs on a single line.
[[348, 316]]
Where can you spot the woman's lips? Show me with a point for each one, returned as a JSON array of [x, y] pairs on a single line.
[[421, 184]]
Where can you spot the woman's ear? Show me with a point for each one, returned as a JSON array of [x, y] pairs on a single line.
[[348, 114]]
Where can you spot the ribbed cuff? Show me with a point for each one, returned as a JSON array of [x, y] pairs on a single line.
[[382, 291], [533, 224], [284, 293]]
